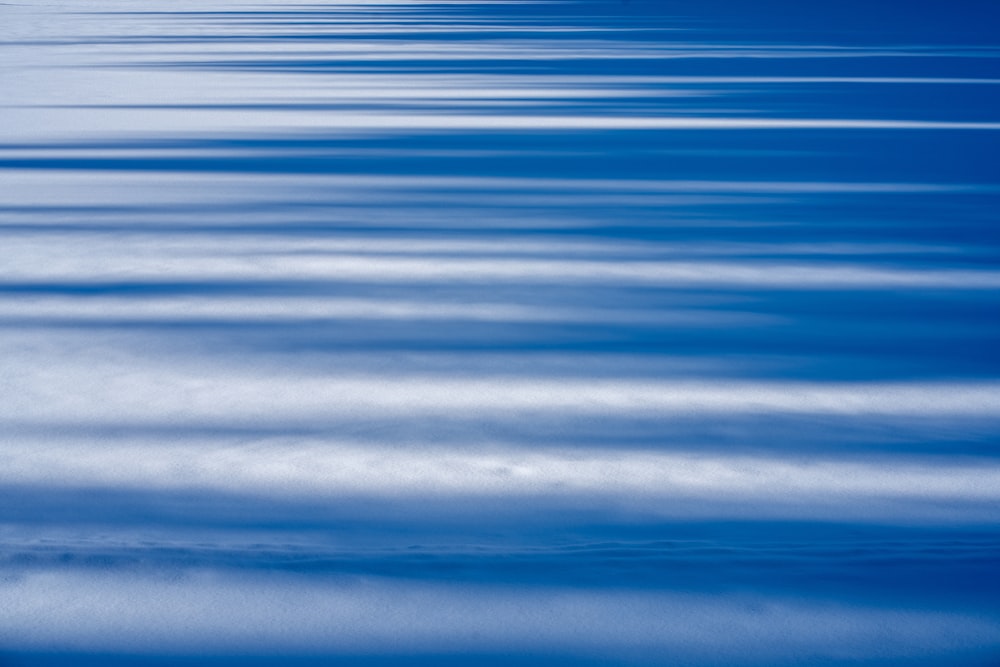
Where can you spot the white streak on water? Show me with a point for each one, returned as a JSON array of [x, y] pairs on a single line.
[[235, 310], [31, 123], [132, 388], [103, 258], [644, 480]]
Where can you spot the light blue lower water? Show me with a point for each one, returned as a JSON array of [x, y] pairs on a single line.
[[646, 333]]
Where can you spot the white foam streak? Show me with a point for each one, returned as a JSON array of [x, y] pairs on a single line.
[[648, 480], [128, 387], [297, 308], [33, 124], [137, 258], [132, 389]]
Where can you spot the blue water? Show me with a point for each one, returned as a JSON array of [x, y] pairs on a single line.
[[569, 333]]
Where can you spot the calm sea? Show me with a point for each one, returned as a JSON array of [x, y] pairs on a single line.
[[493, 333]]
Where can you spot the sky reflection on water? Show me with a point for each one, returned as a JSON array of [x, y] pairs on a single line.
[[505, 332]]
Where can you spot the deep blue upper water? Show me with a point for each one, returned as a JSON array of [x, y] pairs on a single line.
[[582, 332]]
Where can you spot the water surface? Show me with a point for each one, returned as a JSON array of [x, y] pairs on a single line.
[[585, 332]]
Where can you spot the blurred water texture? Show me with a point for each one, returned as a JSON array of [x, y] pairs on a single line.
[[574, 332]]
